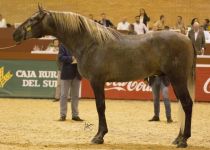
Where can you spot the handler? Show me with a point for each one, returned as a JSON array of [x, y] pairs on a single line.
[[160, 83], [70, 78]]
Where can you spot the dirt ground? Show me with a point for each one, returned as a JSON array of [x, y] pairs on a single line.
[[32, 124]]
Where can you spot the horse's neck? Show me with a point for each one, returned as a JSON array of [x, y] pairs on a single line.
[[75, 42]]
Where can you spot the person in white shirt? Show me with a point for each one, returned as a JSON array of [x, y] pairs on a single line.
[[124, 25], [3, 23], [197, 37], [139, 27]]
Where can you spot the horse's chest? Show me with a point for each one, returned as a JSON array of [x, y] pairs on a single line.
[[83, 70]]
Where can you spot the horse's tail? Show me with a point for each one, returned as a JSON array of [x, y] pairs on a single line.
[[191, 89], [192, 76]]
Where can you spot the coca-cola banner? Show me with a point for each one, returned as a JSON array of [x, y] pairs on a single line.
[[138, 90], [203, 84]]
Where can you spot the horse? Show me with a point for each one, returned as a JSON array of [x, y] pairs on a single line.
[[105, 55]]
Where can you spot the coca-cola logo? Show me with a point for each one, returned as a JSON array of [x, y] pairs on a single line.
[[206, 86], [128, 86]]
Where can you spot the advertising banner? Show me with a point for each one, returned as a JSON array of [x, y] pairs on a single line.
[[37, 79], [138, 90], [33, 79], [203, 84]]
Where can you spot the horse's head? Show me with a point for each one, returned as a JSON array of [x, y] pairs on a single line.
[[33, 27]]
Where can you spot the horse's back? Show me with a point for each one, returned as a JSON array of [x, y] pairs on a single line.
[[135, 57]]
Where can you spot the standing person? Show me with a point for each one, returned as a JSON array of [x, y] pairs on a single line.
[[160, 24], [123, 25], [160, 83], [105, 22], [139, 28], [197, 37], [143, 18], [55, 46], [70, 79], [3, 23]]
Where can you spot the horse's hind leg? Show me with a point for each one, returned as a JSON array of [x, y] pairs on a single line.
[[183, 95], [98, 88]]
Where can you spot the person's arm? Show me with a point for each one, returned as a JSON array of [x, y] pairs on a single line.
[[189, 34], [100, 22], [145, 28], [147, 18], [156, 24], [63, 57], [4, 23], [118, 26], [203, 43], [110, 23]]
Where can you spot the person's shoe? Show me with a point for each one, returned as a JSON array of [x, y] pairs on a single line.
[[55, 100], [62, 118], [77, 119], [169, 120], [155, 118]]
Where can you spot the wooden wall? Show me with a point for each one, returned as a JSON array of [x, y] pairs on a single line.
[[18, 10]]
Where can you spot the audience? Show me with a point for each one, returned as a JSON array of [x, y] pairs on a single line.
[[124, 25], [105, 22], [194, 20], [160, 24], [143, 17], [197, 37], [3, 23], [179, 23], [131, 30], [92, 18], [141, 23], [139, 28]]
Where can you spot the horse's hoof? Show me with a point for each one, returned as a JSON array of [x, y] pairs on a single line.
[[182, 144], [176, 141], [97, 141]]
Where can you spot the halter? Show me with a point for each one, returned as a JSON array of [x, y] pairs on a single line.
[[28, 28]]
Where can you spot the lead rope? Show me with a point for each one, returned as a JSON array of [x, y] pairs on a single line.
[[7, 47]]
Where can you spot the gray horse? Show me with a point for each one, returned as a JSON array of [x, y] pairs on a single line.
[[105, 55]]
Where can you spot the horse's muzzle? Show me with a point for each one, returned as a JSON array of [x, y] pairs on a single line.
[[17, 36]]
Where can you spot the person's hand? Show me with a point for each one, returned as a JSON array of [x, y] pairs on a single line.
[[74, 61], [146, 82], [73, 58], [202, 51]]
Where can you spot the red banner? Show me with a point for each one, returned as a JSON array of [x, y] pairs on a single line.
[[138, 90], [202, 84]]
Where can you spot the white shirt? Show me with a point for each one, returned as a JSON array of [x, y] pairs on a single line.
[[141, 19], [123, 26], [196, 35], [3, 23], [139, 28]]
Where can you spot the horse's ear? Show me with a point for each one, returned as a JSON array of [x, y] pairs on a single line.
[[40, 8]]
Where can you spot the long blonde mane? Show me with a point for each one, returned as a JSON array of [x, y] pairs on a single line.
[[72, 22]]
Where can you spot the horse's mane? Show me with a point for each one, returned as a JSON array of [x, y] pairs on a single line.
[[73, 22]]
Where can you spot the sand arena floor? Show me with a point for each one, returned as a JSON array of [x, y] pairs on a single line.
[[32, 124]]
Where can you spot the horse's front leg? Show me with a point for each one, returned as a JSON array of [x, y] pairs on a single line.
[[98, 88]]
